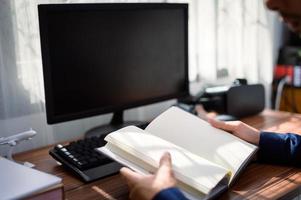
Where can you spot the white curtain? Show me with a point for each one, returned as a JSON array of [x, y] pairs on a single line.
[[236, 40], [226, 37]]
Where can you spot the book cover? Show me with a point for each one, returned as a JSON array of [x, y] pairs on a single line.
[[19, 182]]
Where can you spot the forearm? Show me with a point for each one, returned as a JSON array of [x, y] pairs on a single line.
[[278, 148]]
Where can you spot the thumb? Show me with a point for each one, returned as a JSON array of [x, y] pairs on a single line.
[[165, 166], [222, 125], [130, 176]]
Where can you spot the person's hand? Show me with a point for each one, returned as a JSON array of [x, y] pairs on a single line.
[[238, 129], [145, 187]]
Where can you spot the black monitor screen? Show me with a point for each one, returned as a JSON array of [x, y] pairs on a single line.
[[100, 58]]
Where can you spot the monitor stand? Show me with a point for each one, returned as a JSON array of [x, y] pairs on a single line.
[[115, 124]]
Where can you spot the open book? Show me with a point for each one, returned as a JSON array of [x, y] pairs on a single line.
[[205, 160]]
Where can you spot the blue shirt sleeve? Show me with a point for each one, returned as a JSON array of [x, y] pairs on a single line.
[[170, 194], [276, 148]]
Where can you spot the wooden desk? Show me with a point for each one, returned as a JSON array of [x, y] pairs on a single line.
[[258, 181]]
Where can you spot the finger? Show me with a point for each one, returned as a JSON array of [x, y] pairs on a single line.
[[200, 109], [201, 112], [165, 159], [131, 177], [165, 166], [227, 126]]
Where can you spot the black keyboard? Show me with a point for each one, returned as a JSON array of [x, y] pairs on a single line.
[[82, 159]]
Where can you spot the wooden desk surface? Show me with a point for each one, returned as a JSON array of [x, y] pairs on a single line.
[[258, 181]]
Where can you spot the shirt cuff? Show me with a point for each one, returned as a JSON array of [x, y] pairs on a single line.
[[274, 148], [170, 194]]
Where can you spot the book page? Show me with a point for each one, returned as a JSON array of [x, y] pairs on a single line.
[[199, 137], [188, 167], [108, 152]]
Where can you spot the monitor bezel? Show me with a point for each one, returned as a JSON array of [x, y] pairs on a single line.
[[43, 10]]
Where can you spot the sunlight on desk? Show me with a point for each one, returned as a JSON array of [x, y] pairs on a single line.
[[287, 126], [102, 192]]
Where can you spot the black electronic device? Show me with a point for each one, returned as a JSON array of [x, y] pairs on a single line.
[[245, 100], [231, 102], [81, 158], [103, 58], [236, 100]]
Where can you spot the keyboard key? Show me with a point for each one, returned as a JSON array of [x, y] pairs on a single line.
[[82, 153]]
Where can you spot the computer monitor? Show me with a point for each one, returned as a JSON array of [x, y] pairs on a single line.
[[102, 58]]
